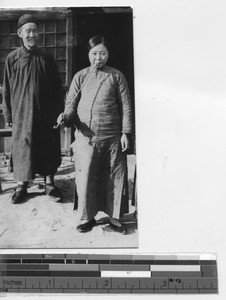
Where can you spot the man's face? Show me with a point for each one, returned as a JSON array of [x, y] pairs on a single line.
[[29, 34]]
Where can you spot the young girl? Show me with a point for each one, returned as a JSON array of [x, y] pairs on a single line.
[[102, 115]]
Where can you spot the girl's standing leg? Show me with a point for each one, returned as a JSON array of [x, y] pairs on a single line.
[[85, 159], [118, 196]]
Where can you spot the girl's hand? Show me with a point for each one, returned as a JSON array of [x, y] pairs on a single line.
[[124, 142], [60, 119]]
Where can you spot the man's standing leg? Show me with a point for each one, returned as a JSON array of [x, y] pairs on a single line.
[[20, 192], [50, 188]]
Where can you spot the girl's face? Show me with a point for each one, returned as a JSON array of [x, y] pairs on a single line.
[[98, 56]]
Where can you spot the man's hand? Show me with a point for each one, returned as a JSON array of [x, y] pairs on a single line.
[[9, 124], [124, 142]]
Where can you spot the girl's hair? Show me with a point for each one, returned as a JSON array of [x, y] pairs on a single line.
[[96, 40]]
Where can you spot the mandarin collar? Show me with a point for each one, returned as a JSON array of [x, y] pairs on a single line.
[[29, 52], [100, 69]]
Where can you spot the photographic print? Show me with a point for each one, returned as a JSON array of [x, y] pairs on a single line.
[[67, 124]]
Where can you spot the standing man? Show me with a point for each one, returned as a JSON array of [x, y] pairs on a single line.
[[32, 100]]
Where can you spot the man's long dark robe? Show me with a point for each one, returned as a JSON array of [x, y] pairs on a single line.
[[32, 101]]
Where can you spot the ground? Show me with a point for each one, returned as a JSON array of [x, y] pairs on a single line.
[[40, 222]]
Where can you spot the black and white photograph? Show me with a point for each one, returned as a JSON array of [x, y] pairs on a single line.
[[67, 149], [113, 149]]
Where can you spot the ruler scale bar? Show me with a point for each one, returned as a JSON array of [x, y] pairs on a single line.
[[109, 257], [23, 266], [206, 270], [40, 273], [145, 262], [124, 274], [85, 273], [75, 261], [108, 283]]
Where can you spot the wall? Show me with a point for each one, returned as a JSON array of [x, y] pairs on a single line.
[[181, 121], [180, 76]]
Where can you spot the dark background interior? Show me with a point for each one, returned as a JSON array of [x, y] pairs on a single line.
[[116, 26]]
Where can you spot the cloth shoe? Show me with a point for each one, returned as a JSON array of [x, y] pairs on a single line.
[[121, 229], [88, 226], [19, 194], [53, 191]]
